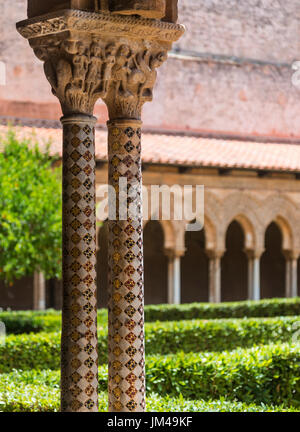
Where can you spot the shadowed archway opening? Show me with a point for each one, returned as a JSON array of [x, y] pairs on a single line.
[[272, 265], [156, 264], [194, 268], [17, 296], [102, 266], [234, 265]]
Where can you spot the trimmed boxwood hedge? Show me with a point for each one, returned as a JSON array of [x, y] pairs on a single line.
[[217, 335], [19, 322], [29, 321], [267, 374], [42, 351], [19, 397], [243, 309]]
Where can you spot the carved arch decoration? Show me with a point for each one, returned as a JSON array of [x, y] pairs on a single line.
[[246, 210], [213, 210], [283, 211]]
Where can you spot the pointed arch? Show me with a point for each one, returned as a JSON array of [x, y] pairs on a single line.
[[234, 264], [246, 210], [283, 211]]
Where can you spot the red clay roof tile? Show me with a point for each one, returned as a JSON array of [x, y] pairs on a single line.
[[190, 151]]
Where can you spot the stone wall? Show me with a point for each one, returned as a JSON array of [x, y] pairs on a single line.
[[215, 93]]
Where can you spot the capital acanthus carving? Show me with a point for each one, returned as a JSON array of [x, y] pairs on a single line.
[[117, 66]]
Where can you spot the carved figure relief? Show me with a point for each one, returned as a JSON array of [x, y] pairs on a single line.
[[80, 67], [109, 62], [80, 73], [133, 79], [93, 78], [121, 71]]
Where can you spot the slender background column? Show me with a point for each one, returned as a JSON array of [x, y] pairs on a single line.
[[291, 272], [256, 276], [126, 361], [214, 276], [250, 275], [253, 274], [177, 280], [79, 356], [294, 277], [174, 276], [170, 278], [39, 291]]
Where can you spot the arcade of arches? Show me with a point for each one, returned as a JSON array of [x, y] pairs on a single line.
[[194, 279], [249, 247]]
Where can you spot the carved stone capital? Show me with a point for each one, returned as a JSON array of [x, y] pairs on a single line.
[[88, 56]]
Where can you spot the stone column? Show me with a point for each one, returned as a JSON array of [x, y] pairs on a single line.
[[291, 282], [294, 277], [250, 275], [214, 275], [39, 291], [256, 277], [88, 56], [174, 276], [79, 356], [126, 284], [254, 274]]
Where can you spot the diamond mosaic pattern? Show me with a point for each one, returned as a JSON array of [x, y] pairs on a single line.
[[126, 309], [79, 337]]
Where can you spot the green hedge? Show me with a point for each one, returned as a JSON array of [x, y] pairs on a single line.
[[217, 335], [17, 397], [34, 351], [243, 309], [19, 322], [263, 376], [42, 351], [50, 320], [31, 322], [269, 375]]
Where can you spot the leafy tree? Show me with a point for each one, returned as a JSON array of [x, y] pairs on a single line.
[[30, 210]]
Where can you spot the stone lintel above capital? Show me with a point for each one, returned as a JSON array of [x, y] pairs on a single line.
[[99, 23]]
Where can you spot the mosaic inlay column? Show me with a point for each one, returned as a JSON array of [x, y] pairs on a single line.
[[126, 287], [88, 56], [79, 357]]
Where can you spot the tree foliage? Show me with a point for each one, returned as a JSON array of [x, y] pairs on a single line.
[[30, 210]]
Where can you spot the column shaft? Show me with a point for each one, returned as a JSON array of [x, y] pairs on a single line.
[[250, 278], [291, 283], [294, 277], [177, 280], [215, 279], [126, 387], [171, 279], [39, 291], [288, 279], [79, 356], [256, 278]]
